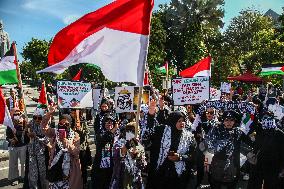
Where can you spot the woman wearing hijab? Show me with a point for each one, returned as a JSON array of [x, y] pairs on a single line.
[[103, 162], [129, 160], [98, 124], [64, 167], [224, 142], [37, 150], [269, 152], [208, 121], [172, 153]]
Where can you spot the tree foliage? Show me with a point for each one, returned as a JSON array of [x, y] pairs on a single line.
[[240, 36], [35, 58]]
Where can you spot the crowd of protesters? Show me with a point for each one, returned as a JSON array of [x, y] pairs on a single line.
[[166, 148]]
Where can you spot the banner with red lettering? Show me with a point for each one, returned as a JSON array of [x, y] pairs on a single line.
[[74, 94], [190, 90]]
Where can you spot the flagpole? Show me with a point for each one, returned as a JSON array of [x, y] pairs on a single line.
[[167, 74], [21, 95], [140, 93], [44, 88]]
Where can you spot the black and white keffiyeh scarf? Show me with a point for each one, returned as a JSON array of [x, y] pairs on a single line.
[[184, 144], [63, 151]]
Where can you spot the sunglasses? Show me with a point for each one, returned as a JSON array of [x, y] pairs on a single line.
[[210, 113], [37, 117]]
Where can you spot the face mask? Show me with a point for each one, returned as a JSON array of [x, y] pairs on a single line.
[[16, 117], [129, 136]]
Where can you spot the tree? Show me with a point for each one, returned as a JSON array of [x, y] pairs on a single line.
[[156, 50], [35, 58], [240, 35], [187, 23]]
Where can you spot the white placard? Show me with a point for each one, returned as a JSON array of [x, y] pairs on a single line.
[[96, 98], [74, 94], [190, 90], [225, 87], [215, 94], [124, 99], [277, 110]]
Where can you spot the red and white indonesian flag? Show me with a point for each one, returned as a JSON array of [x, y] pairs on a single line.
[[5, 118], [201, 68], [115, 38]]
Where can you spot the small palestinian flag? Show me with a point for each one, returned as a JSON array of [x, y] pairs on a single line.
[[272, 69]]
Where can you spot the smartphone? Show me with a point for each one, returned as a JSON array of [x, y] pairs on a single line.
[[62, 133]]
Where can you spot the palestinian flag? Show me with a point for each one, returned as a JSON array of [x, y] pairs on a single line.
[[164, 68], [272, 69], [247, 120], [8, 73], [5, 118]]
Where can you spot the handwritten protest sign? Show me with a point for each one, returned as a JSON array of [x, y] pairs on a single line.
[[225, 87], [214, 94], [74, 94], [190, 90]]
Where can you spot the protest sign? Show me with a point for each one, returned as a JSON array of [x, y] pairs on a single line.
[[145, 98], [190, 90], [215, 94], [277, 109], [96, 98], [126, 98], [225, 87], [74, 94]]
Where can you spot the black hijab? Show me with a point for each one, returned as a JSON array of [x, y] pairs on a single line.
[[176, 134]]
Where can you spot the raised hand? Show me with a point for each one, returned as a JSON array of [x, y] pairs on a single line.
[[51, 109], [152, 107], [161, 103]]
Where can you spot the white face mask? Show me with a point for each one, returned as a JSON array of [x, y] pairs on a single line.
[[16, 117], [129, 136]]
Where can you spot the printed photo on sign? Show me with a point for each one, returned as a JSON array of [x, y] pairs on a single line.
[[124, 99], [144, 99], [190, 90], [73, 94]]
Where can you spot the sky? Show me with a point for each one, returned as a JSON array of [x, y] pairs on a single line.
[[42, 19]]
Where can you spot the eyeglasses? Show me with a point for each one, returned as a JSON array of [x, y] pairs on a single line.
[[210, 113], [37, 117]]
